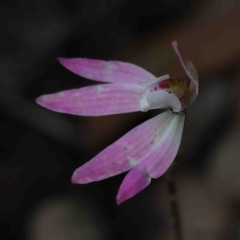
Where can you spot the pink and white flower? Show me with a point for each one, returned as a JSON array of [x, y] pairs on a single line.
[[147, 150]]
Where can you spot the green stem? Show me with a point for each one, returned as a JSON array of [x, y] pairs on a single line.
[[174, 204]]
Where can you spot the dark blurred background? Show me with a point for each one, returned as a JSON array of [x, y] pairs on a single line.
[[41, 149]]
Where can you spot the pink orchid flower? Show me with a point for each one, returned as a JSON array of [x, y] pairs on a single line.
[[147, 150]]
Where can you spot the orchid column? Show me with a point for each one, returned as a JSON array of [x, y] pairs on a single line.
[[147, 150]]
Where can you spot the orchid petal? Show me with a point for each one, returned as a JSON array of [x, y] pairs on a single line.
[[162, 156], [107, 71], [134, 182], [155, 81], [125, 153], [156, 161], [97, 100], [190, 70]]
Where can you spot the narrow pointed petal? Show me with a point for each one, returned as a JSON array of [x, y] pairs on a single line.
[[190, 70], [159, 159], [134, 182], [125, 153], [107, 71], [98, 100], [156, 161], [155, 81], [169, 146]]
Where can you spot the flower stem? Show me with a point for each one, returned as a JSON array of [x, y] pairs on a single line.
[[174, 204]]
